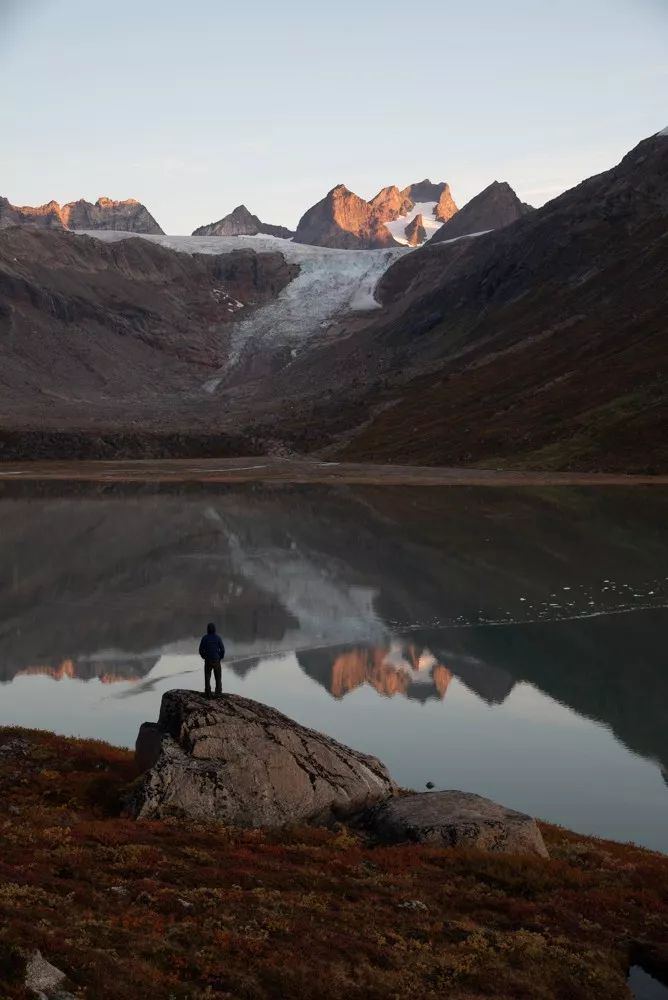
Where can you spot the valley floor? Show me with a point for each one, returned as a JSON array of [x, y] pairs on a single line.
[[298, 470], [189, 910]]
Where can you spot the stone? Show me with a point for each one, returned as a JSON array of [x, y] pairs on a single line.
[[148, 745], [42, 978], [246, 764], [457, 819]]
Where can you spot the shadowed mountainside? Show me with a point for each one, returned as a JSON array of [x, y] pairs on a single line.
[[540, 345], [95, 334]]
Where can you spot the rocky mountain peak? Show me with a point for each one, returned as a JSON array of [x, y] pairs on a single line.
[[415, 232], [390, 203], [242, 222], [130, 215], [445, 206], [425, 190], [344, 221], [495, 207]]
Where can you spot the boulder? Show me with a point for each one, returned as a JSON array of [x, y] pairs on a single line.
[[457, 819], [245, 764]]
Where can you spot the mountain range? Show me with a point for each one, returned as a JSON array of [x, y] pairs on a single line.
[[540, 344], [127, 216], [341, 220]]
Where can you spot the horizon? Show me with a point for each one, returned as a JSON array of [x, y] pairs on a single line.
[[275, 119]]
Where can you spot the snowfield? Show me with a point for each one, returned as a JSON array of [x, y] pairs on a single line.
[[423, 208], [330, 284]]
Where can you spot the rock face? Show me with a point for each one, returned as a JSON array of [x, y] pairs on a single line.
[[445, 206], [128, 216], [458, 819], [45, 216], [241, 222], [495, 207], [426, 190], [245, 764], [415, 232], [390, 203], [344, 221]]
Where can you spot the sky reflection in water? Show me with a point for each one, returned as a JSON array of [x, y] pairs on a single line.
[[505, 642]]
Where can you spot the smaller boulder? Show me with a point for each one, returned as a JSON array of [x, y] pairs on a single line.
[[457, 819]]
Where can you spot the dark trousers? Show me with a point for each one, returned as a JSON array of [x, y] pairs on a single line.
[[214, 665]]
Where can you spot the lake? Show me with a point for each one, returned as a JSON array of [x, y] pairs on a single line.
[[509, 642]]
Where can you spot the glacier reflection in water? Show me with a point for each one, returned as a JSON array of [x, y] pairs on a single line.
[[509, 642]]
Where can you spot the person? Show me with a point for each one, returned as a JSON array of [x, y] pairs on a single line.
[[212, 651]]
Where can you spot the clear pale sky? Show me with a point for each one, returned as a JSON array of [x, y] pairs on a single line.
[[194, 106]]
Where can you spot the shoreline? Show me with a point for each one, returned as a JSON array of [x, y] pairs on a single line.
[[301, 471]]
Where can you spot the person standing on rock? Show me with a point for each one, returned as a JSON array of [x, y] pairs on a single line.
[[212, 651]]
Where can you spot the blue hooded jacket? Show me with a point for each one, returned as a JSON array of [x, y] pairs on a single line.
[[211, 647]]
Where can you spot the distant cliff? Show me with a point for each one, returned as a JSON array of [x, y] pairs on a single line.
[[128, 216], [242, 222]]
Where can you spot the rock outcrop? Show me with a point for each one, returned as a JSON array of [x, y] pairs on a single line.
[[390, 203], [495, 207], [242, 222], [246, 764], [426, 190], [445, 206], [457, 819], [415, 232], [45, 216], [344, 221], [127, 216]]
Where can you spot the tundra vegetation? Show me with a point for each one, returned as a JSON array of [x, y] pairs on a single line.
[[181, 909]]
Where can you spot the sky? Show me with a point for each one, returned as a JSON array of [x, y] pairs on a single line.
[[196, 107]]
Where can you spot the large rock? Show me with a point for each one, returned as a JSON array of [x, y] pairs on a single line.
[[457, 819], [246, 764]]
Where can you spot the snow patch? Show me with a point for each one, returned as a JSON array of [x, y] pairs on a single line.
[[423, 208], [664, 131]]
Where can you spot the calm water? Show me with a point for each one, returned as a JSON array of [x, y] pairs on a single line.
[[507, 642]]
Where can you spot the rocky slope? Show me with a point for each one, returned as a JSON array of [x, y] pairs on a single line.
[[495, 207], [94, 332], [241, 222], [128, 216], [540, 344]]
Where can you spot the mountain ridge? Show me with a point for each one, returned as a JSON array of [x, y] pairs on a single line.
[[106, 213]]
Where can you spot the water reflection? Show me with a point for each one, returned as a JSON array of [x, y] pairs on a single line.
[[413, 596]]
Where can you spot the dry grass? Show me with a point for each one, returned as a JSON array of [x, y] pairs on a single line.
[[193, 910]]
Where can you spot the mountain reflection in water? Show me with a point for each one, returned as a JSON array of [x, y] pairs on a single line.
[[394, 591]]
